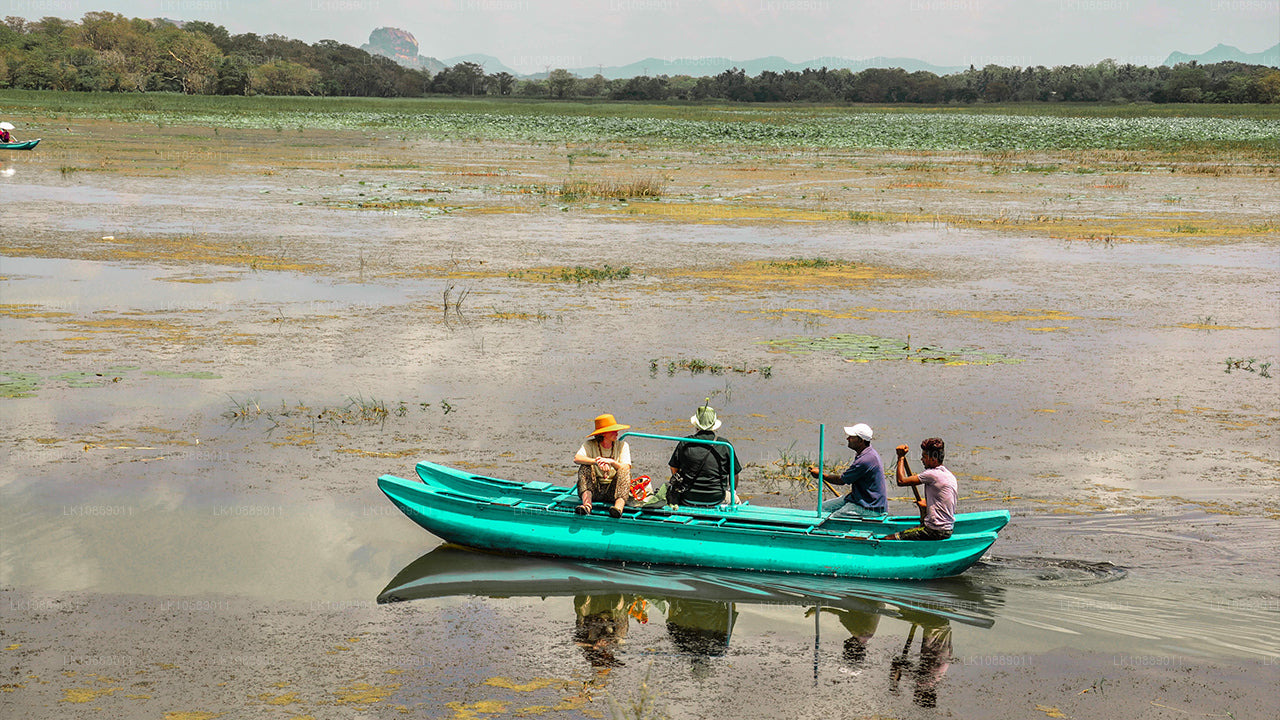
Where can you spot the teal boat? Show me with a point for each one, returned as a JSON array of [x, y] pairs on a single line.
[[20, 145], [538, 492], [538, 519]]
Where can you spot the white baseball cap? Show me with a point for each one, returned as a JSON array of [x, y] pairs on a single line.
[[861, 430]]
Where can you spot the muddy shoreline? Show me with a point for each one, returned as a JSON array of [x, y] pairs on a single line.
[[215, 344]]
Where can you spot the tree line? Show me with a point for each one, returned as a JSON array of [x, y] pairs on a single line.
[[107, 52]]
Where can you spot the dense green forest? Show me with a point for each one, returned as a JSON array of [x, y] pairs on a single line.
[[106, 52]]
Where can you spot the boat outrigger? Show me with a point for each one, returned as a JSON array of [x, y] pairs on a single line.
[[537, 518]]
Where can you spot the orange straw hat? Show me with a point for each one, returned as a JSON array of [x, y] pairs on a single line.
[[605, 423]]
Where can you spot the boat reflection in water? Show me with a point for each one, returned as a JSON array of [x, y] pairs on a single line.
[[701, 607]]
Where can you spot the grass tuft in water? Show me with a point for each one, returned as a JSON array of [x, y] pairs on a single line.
[[1246, 365], [642, 704], [696, 366], [576, 274], [795, 265], [621, 189]]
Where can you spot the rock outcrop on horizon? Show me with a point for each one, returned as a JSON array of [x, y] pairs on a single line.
[[401, 46]]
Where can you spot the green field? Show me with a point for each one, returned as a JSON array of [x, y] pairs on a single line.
[[1254, 129]]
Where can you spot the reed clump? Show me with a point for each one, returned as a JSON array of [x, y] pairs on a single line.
[[622, 189]]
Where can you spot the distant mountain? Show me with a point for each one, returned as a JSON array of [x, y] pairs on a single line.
[[1223, 53], [491, 64], [711, 66], [401, 46]]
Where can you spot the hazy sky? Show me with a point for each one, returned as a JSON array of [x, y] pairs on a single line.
[[530, 35]]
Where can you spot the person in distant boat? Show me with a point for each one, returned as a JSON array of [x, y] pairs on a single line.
[[868, 496], [5, 137], [700, 472], [604, 467], [940, 492]]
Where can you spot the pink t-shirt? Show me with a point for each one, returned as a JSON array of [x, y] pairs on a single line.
[[940, 493]]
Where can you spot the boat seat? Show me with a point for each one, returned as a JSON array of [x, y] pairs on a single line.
[[537, 485]]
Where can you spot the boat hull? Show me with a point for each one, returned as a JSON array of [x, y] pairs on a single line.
[[727, 539], [29, 144]]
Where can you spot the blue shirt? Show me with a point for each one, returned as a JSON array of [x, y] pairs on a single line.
[[866, 480]]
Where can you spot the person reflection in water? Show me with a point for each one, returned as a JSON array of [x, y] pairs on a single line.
[[601, 626], [861, 622], [700, 629], [935, 658]]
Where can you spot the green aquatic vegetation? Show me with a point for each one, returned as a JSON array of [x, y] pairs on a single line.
[[359, 410], [800, 264], [79, 379], [794, 465], [1246, 365], [697, 367], [994, 128], [866, 348], [576, 274], [21, 385]]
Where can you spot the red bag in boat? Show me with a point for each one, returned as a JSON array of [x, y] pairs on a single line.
[[641, 488]]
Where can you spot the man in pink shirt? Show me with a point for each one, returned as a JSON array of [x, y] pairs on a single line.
[[940, 492]]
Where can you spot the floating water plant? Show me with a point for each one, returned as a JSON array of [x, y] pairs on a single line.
[[576, 274], [866, 348], [22, 384], [697, 367], [1246, 365], [19, 385], [801, 264]]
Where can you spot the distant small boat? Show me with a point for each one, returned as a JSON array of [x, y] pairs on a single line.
[[20, 145], [538, 519]]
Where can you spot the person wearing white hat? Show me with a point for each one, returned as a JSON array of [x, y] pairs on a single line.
[[5, 137], [700, 472], [868, 496]]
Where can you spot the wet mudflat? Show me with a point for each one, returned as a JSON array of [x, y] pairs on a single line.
[[213, 346]]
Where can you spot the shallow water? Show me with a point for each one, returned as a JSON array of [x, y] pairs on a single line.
[[189, 481]]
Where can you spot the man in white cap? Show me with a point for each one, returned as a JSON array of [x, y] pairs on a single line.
[[868, 496]]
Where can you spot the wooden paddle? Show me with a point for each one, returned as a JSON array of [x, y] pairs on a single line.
[[906, 467], [835, 492], [901, 663]]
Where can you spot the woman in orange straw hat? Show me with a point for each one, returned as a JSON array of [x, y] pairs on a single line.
[[604, 467]]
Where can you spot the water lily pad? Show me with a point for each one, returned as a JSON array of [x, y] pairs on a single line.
[[867, 348], [18, 385], [79, 379]]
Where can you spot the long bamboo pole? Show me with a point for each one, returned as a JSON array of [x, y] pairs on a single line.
[[822, 467]]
